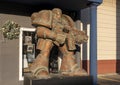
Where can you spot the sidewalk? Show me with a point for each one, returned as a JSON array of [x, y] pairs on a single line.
[[113, 79]]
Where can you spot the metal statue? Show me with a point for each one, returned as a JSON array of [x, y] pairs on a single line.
[[55, 28]]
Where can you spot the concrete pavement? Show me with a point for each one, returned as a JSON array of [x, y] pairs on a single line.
[[113, 79]]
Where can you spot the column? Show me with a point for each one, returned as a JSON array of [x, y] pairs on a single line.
[[93, 41]]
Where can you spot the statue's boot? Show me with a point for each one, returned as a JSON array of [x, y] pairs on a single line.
[[69, 66], [46, 33], [39, 67]]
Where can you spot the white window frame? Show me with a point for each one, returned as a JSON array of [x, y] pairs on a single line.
[[21, 77]]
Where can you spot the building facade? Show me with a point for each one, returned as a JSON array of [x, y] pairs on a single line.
[[107, 36]]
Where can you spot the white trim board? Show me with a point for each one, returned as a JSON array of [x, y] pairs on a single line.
[[20, 49]]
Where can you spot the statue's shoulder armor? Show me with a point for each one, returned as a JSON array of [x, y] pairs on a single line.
[[43, 17], [67, 20]]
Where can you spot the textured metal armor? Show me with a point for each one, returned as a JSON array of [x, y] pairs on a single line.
[[43, 18], [53, 27]]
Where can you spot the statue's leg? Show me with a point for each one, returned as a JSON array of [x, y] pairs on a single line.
[[69, 65], [39, 67]]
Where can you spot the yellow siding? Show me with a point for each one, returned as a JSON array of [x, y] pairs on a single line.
[[107, 24], [108, 32]]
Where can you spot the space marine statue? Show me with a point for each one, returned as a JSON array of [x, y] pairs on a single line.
[[55, 28]]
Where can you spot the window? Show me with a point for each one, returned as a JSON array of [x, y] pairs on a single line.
[[26, 49]]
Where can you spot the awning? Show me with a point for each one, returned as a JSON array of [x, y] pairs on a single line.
[[63, 4]]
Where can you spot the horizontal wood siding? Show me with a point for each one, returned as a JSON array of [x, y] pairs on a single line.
[[107, 23], [9, 53]]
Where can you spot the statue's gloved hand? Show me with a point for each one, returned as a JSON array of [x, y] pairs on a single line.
[[60, 38]]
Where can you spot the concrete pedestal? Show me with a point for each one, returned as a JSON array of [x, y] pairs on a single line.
[[60, 80]]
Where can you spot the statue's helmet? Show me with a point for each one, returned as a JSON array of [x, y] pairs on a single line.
[[57, 13], [57, 10]]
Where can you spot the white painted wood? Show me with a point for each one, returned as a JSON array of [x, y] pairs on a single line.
[[20, 49]]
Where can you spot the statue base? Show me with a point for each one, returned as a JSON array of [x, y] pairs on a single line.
[[59, 80]]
